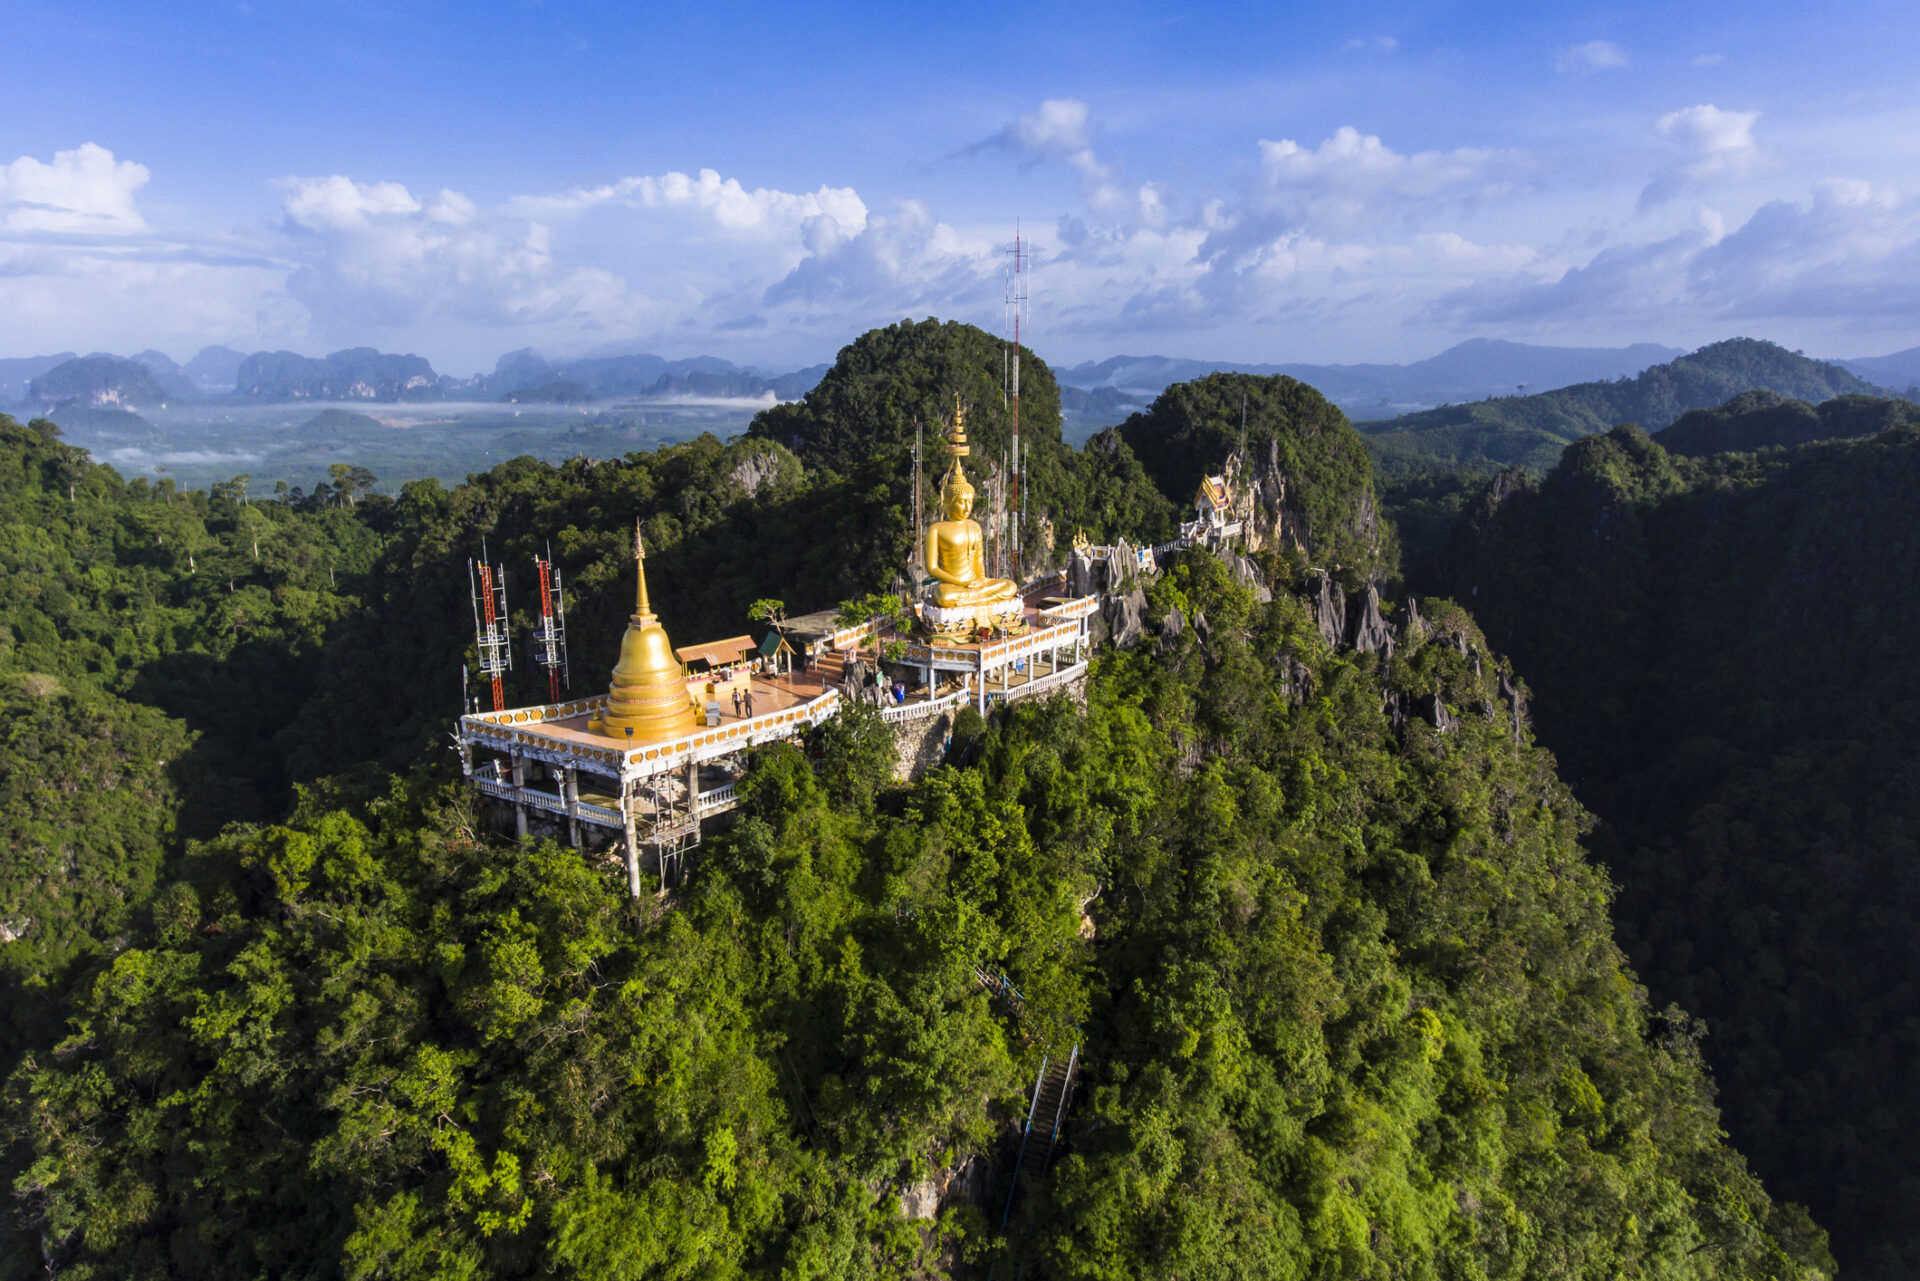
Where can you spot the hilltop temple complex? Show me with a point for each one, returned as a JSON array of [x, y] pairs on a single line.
[[643, 765]]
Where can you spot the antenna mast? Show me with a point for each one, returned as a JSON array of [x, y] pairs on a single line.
[[914, 572], [1016, 312], [489, 586], [550, 633]]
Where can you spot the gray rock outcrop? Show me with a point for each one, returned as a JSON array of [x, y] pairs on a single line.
[[1371, 634], [1329, 606]]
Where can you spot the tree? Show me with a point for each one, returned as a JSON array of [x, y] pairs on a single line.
[[351, 483], [767, 610]]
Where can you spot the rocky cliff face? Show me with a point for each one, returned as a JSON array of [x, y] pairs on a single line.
[[1267, 503]]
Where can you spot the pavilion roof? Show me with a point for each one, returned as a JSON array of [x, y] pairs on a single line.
[[715, 653]]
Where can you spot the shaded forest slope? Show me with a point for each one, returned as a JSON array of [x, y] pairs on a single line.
[[1721, 650]]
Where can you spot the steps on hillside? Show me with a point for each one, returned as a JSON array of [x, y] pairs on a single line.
[[1048, 1111]]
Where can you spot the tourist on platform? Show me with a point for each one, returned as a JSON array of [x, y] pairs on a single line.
[[736, 700], [749, 704]]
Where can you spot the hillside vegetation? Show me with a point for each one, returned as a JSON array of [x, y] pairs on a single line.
[[1341, 975], [1718, 651], [1767, 420], [1532, 430]]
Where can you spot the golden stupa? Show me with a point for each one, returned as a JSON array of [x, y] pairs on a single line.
[[649, 694]]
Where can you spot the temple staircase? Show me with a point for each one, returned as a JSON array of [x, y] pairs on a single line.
[[1052, 1090]]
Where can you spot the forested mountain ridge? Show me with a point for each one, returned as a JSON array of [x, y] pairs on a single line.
[[1532, 430], [1718, 651], [1302, 456], [1768, 420], [1345, 988]]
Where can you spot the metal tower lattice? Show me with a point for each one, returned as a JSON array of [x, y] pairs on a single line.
[[550, 631], [489, 587]]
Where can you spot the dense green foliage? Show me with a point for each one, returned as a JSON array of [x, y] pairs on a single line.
[[1767, 420], [1720, 652], [1351, 1010], [1319, 465], [1341, 975], [1532, 430], [155, 643]]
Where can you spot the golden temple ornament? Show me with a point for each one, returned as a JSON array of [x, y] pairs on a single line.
[[648, 697]]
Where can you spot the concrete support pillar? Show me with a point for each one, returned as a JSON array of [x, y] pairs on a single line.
[[633, 843], [519, 805], [570, 793]]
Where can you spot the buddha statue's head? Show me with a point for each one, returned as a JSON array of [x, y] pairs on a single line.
[[957, 498]]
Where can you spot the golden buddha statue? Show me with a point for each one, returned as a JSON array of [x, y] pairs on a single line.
[[649, 696], [956, 549]]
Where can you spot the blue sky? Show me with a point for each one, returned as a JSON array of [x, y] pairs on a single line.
[[761, 181]]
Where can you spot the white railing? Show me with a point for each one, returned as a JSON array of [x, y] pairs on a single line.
[[1067, 611], [1039, 685], [543, 800], [724, 797], [895, 714]]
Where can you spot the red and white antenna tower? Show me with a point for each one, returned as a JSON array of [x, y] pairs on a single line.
[[489, 585], [550, 632], [1016, 312]]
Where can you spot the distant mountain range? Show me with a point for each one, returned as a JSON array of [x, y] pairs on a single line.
[[1901, 369], [1469, 371], [358, 373], [526, 377], [152, 378], [1093, 394], [1532, 430]]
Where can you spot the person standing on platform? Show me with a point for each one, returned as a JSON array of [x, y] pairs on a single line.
[[736, 700], [749, 704]]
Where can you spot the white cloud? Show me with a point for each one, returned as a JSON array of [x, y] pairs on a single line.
[[1335, 250], [1060, 131], [730, 205], [902, 261], [1594, 55], [1845, 257], [341, 204], [372, 255], [83, 190], [1708, 59], [1712, 144], [1373, 44], [1353, 178]]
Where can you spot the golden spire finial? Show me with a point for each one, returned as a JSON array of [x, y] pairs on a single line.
[[957, 434], [641, 609]]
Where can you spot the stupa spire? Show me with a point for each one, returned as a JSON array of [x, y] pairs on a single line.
[[642, 609]]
